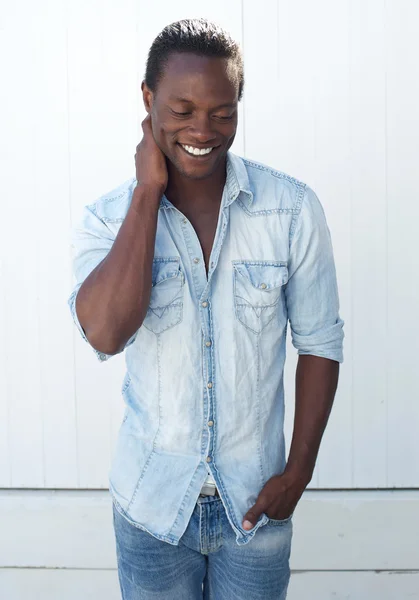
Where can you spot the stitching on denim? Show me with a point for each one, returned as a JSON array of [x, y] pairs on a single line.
[[153, 451], [175, 303], [274, 172], [298, 205], [267, 263], [195, 279], [141, 477], [247, 305], [258, 428], [212, 393], [200, 527], [268, 211], [279, 522], [167, 259], [177, 318], [171, 539], [175, 306], [159, 390], [126, 384], [185, 500], [283, 271]]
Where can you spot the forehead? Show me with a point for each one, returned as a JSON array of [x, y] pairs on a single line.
[[199, 77]]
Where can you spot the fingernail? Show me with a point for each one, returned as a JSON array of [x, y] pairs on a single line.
[[247, 525]]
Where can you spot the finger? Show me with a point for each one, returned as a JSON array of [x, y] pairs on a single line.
[[252, 516], [146, 124]]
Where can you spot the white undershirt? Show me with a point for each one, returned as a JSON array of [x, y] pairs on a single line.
[[209, 479]]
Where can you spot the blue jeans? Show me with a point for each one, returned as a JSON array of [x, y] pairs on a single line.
[[208, 563]]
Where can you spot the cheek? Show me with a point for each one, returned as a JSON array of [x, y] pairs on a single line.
[[232, 132], [167, 131]]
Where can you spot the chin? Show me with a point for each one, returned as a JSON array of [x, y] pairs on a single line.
[[197, 173], [194, 173], [200, 171]]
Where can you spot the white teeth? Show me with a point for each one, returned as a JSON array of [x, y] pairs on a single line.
[[196, 151]]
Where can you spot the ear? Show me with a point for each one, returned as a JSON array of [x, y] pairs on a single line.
[[147, 97]]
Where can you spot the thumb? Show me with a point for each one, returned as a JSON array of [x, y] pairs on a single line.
[[251, 517]]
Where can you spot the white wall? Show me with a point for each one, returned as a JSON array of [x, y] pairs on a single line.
[[331, 97]]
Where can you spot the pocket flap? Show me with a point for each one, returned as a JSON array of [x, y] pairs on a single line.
[[165, 268], [263, 275]]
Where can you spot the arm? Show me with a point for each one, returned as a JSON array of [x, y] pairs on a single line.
[[316, 330], [110, 318], [316, 383], [115, 274]]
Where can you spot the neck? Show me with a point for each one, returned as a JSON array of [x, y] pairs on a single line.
[[186, 193]]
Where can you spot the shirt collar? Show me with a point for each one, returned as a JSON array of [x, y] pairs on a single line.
[[237, 181]]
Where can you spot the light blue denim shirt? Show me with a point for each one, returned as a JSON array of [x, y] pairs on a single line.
[[204, 381]]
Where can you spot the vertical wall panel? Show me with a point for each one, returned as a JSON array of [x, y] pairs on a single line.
[[5, 474], [20, 287], [403, 258], [5, 160], [331, 108], [367, 181], [51, 199]]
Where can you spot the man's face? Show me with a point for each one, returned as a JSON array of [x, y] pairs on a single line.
[[195, 105]]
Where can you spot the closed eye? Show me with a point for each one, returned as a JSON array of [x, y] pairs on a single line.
[[180, 114]]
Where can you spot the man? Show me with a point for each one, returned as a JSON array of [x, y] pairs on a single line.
[[195, 267]]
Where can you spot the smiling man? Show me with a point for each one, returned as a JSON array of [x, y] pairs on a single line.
[[195, 267]]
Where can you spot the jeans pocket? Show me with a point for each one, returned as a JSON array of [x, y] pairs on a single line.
[[279, 522]]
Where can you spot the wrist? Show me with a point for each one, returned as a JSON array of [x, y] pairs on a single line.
[[149, 187], [146, 195], [298, 475]]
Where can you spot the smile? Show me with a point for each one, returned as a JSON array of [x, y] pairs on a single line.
[[196, 151]]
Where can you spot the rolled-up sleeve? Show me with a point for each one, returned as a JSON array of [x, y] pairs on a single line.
[[91, 240], [312, 292]]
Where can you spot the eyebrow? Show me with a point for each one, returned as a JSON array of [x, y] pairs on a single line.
[[226, 105]]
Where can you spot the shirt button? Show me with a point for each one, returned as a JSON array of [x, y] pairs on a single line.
[[263, 286], [210, 423], [209, 384], [208, 458], [184, 220], [196, 260], [208, 344], [205, 304]]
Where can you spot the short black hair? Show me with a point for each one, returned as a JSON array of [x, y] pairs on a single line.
[[196, 36]]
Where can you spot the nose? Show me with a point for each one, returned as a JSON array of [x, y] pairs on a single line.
[[202, 129]]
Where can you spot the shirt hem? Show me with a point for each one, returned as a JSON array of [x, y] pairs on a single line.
[[164, 538]]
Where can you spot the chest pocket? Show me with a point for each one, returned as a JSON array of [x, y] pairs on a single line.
[[166, 300], [257, 290]]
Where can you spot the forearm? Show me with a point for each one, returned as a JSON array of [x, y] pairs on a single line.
[[113, 300], [316, 383]]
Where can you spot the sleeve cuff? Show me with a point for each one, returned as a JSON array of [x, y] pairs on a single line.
[[72, 304], [327, 343]]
